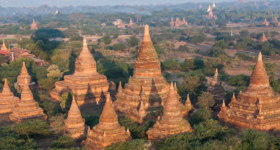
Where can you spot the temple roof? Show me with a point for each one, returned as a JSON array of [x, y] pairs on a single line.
[[6, 88], [3, 47], [23, 70], [74, 112]]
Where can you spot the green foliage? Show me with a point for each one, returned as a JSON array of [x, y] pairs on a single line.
[[183, 48], [91, 120], [197, 39], [115, 35], [159, 50], [138, 144], [63, 142], [244, 56], [48, 33], [211, 64], [240, 45], [200, 116], [65, 100], [57, 123], [47, 83], [193, 84], [107, 39], [239, 80], [3, 59], [216, 51], [221, 44], [206, 100], [119, 46], [54, 72], [133, 41], [170, 64], [244, 33]]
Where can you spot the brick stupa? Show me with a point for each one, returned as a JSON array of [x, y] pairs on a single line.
[[130, 23], [25, 76], [263, 38], [34, 25], [171, 121], [7, 99], [177, 22], [187, 108], [27, 108], [147, 77], [108, 131], [75, 123], [86, 83], [258, 107], [217, 90], [265, 23], [172, 23], [121, 24]]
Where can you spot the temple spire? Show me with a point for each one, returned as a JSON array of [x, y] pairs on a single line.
[[120, 89], [3, 47], [6, 88], [188, 101], [23, 70]]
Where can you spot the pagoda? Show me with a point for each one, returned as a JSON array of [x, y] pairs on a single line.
[[171, 121], [214, 5], [7, 99], [147, 78], [178, 22], [276, 23], [27, 108], [187, 108], [265, 3], [217, 90], [34, 25], [200, 7], [25, 76], [265, 23], [75, 123], [4, 50], [184, 21], [121, 25], [130, 23], [254, 3], [209, 8], [108, 131], [240, 2], [172, 22], [258, 107], [86, 83], [263, 38]]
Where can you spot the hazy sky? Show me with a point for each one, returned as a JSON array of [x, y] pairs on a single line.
[[28, 3]]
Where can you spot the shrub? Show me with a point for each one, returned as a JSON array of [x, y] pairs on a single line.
[[138, 144], [119, 46], [239, 80], [133, 41], [91, 120], [106, 39], [183, 48], [221, 44], [240, 45], [170, 64], [63, 142], [206, 100], [200, 116]]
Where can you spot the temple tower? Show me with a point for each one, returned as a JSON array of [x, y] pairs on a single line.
[[171, 121], [257, 107], [146, 76], [25, 76], [265, 23], [75, 123], [172, 22], [33, 25], [263, 38], [86, 83], [7, 99], [108, 131], [3, 47], [27, 108]]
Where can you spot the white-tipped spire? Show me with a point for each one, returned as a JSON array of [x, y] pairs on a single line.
[[84, 41], [260, 56], [224, 104]]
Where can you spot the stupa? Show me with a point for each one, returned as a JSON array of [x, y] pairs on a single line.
[[147, 78], [254, 3], [121, 25], [265, 23], [200, 7], [108, 131], [171, 121], [217, 90], [130, 23], [75, 123], [213, 5], [86, 83], [7, 99], [263, 38], [172, 22], [4, 49], [25, 76], [34, 25], [184, 21], [258, 107], [187, 108], [178, 22], [27, 108], [276, 23], [240, 2]]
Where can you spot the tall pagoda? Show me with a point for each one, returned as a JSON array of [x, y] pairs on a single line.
[[4, 49], [75, 123], [86, 83], [108, 131], [147, 78], [7, 99], [263, 38], [27, 108], [258, 107], [25, 76], [34, 25], [171, 121]]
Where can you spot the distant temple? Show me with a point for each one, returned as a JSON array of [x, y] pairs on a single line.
[[265, 3], [214, 5], [179, 23], [4, 49], [257, 107], [34, 25], [263, 38], [130, 23], [275, 22], [254, 3], [121, 24], [216, 90], [210, 14], [200, 7], [172, 22], [265, 23]]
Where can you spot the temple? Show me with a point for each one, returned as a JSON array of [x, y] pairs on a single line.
[[187, 108], [172, 23], [75, 123], [147, 78], [130, 23], [265, 3], [263, 38], [210, 13], [265, 23], [121, 24], [15, 53], [86, 83], [257, 107], [254, 3], [7, 99], [240, 2], [25, 76], [171, 121], [275, 22], [108, 131], [214, 5], [200, 7], [4, 49], [27, 108], [217, 90], [33, 25]]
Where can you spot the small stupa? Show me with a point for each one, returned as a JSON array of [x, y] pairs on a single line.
[[27, 108], [171, 121], [184, 21], [4, 49], [187, 108], [265, 23], [217, 90], [172, 22], [7, 99], [263, 38], [130, 23], [257, 107], [86, 83], [213, 5], [34, 25], [25, 76], [75, 123], [147, 78], [177, 22], [108, 131]]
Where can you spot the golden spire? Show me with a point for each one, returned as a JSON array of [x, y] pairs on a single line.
[[3, 47]]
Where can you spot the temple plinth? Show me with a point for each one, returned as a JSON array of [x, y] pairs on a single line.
[[33, 25], [27, 108], [75, 123], [7, 99], [108, 131], [146, 76], [171, 121], [25, 76], [257, 107], [217, 90], [263, 38], [86, 83]]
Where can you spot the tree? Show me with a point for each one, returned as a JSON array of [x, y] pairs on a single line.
[[54, 72], [183, 48], [206, 100], [107, 39], [221, 44], [3, 59], [240, 45], [65, 100], [197, 39], [63, 142], [244, 33], [116, 36], [119, 46], [101, 45], [170, 64], [57, 123], [47, 83], [133, 41]]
